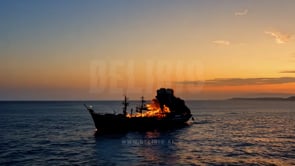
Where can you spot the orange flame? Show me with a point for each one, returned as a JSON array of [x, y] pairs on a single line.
[[153, 110]]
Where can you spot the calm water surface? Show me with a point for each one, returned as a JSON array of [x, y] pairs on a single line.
[[223, 133]]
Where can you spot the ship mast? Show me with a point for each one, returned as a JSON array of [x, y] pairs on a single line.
[[142, 105], [125, 104]]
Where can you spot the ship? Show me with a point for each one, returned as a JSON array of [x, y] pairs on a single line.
[[164, 112]]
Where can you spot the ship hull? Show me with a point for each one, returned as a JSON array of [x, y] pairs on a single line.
[[111, 122]]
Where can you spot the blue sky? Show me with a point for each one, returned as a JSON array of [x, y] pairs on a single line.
[[48, 47]]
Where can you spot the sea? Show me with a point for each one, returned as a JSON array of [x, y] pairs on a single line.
[[224, 132]]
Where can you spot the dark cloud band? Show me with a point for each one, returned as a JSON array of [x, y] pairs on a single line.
[[241, 81]]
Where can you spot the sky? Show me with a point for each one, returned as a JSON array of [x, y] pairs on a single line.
[[101, 50]]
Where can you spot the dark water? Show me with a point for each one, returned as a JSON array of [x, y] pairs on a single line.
[[223, 133]]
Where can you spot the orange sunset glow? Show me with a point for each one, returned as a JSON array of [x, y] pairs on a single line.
[[103, 50]]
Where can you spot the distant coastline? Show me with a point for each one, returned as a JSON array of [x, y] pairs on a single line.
[[291, 98]]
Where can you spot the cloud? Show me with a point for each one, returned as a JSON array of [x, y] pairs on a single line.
[[288, 71], [241, 81], [221, 42], [241, 13], [279, 37]]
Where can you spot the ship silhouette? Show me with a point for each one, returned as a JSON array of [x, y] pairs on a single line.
[[165, 111]]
